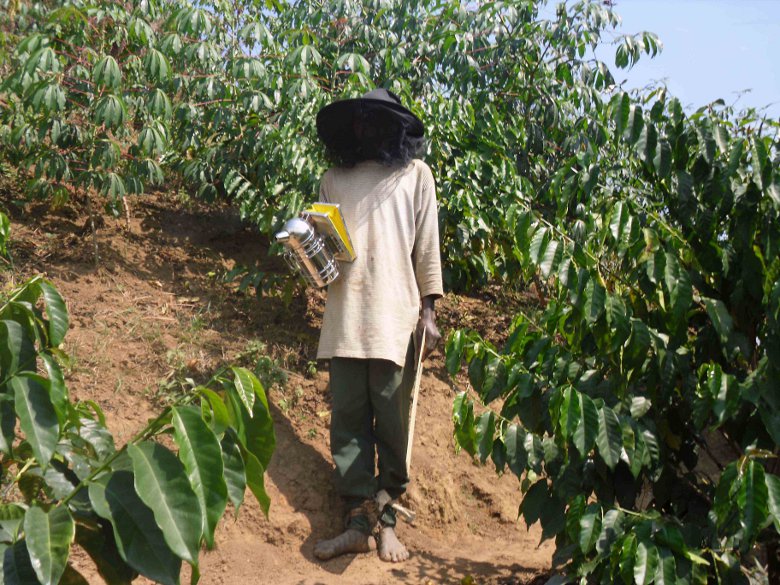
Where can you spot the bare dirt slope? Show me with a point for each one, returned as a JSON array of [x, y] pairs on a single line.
[[156, 312]]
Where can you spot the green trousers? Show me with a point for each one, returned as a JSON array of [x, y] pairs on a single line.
[[369, 426]]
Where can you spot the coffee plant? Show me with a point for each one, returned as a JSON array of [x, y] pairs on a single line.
[[139, 509], [113, 96], [640, 406]]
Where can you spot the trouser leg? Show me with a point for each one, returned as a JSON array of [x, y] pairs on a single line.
[[351, 441], [390, 391]]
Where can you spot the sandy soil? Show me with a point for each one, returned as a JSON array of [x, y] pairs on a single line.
[[156, 311]]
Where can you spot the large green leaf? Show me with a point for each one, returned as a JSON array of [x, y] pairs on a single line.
[[678, 283], [516, 456], [57, 313], [161, 482], [37, 417], [106, 73], [138, 538], [17, 568], [666, 571], [773, 498], [610, 436], [645, 563], [49, 535], [721, 319], [255, 479], [753, 497], [244, 383], [590, 528], [17, 352], [485, 429], [58, 392], [201, 454], [588, 426], [595, 297], [256, 429], [11, 518], [7, 424], [569, 413], [235, 474]]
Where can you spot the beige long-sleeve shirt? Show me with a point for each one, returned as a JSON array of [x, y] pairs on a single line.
[[391, 216]]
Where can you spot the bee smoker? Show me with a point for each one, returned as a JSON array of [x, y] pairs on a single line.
[[307, 252]]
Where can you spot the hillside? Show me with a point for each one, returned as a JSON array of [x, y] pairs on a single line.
[[156, 312]]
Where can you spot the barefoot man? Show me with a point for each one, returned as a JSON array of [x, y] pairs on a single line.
[[378, 306]]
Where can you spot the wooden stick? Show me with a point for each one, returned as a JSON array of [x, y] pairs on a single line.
[[415, 394]]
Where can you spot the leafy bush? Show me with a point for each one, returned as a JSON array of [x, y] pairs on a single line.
[[224, 95], [640, 407], [142, 508]]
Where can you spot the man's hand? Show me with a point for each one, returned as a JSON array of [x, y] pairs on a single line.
[[427, 323]]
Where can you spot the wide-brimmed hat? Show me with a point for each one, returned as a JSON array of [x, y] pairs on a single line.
[[335, 121]]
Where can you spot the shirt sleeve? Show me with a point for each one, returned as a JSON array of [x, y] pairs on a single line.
[[426, 255]]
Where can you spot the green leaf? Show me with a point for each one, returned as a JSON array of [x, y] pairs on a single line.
[[634, 125], [106, 73], [159, 104], [622, 108], [595, 301], [663, 159], [721, 319], [707, 144], [639, 406], [611, 530], [645, 563], [11, 518], [538, 245], [138, 538], [666, 571], [7, 425], [157, 67], [201, 454], [534, 501], [255, 479], [569, 413], [610, 436], [57, 390], [678, 283], [773, 498], [37, 417], [110, 111], [590, 527], [753, 497], [244, 384], [723, 389], [486, 426], [17, 568], [49, 535], [220, 418], [256, 429], [17, 352], [516, 456], [235, 474], [588, 426], [550, 259], [454, 351], [162, 484]]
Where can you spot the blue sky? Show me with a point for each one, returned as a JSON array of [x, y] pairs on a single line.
[[712, 49]]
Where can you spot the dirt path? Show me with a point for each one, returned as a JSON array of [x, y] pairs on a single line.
[[156, 312]]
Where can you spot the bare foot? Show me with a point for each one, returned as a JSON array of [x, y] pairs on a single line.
[[349, 541], [390, 548]]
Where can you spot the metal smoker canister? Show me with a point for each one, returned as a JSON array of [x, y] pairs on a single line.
[[307, 252]]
